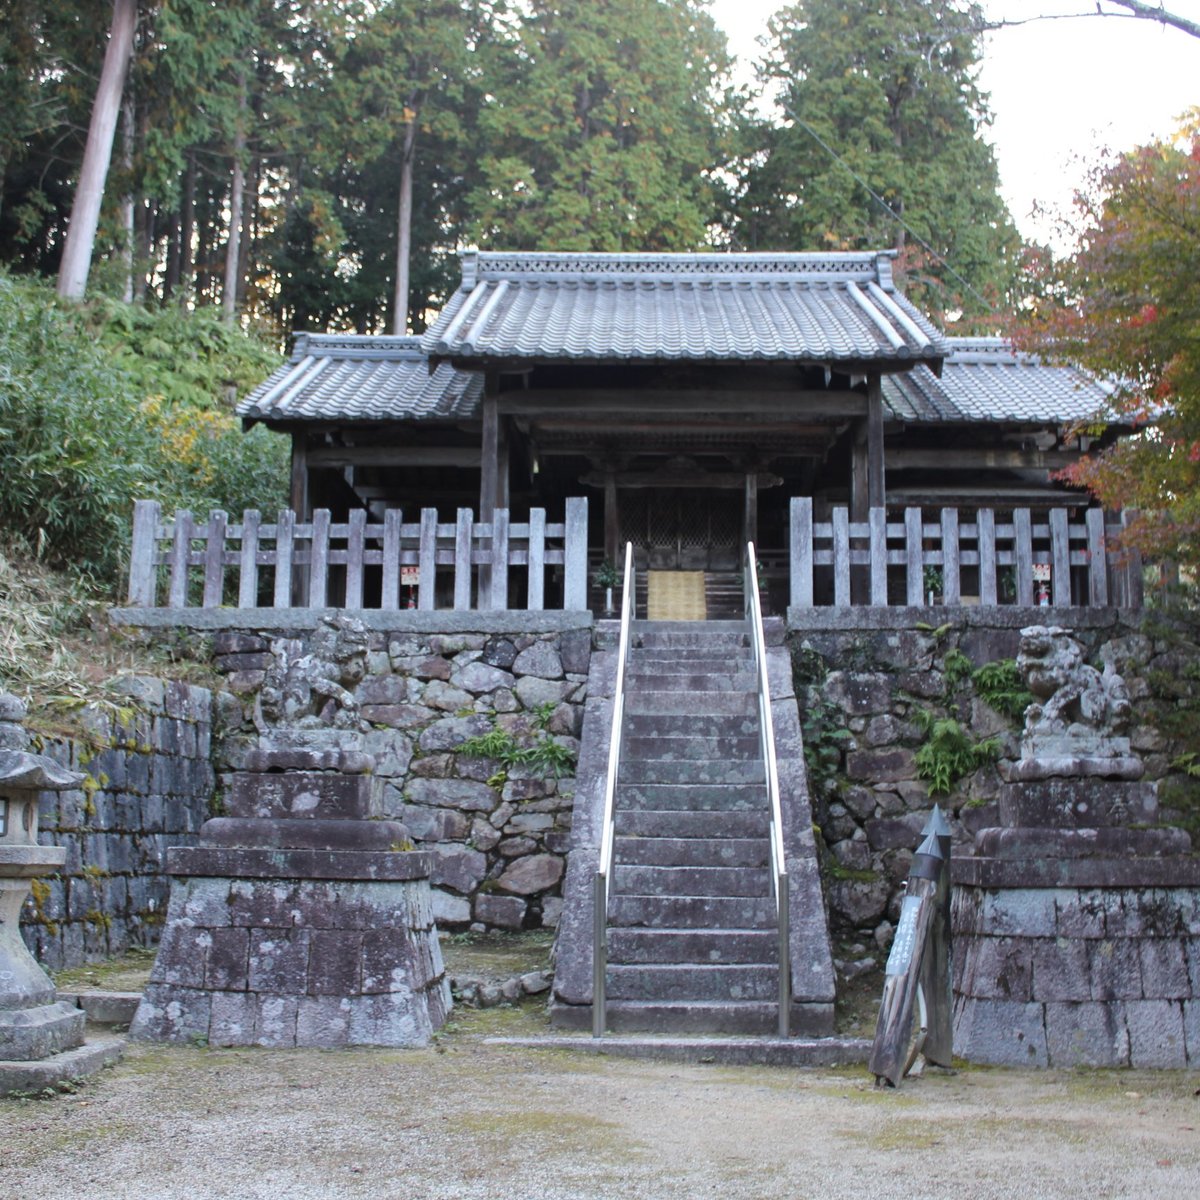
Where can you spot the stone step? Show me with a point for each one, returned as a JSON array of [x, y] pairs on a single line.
[[640, 880], [713, 1016], [687, 771], [674, 851], [692, 946], [691, 724], [718, 824], [680, 748], [705, 682], [683, 662], [689, 982], [692, 912], [667, 702], [731, 1050], [710, 634], [692, 797]]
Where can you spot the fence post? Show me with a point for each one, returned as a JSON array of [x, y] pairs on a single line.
[[1023, 555], [355, 538], [390, 596], [536, 559], [285, 547], [1060, 558], [914, 558], [214, 559], [498, 598], [878, 528], [141, 553], [427, 561], [318, 577], [248, 560], [1097, 559], [951, 561], [463, 538], [181, 548], [985, 543], [575, 555], [841, 557], [800, 565]]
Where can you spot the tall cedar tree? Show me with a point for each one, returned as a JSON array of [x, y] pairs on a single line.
[[602, 132], [1126, 305], [889, 87]]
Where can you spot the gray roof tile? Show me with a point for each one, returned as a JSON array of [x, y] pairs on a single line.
[[337, 377], [984, 379], [656, 307]]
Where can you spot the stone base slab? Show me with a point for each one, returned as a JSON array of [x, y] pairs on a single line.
[[1041, 843], [296, 962], [26, 1077], [27, 1034], [1077, 976], [252, 863], [728, 1051], [1076, 872], [1078, 803]]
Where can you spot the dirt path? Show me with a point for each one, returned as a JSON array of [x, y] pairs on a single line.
[[465, 1119]]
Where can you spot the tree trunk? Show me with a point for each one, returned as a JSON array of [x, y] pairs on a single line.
[[187, 227], [127, 135], [236, 197], [404, 230], [85, 211]]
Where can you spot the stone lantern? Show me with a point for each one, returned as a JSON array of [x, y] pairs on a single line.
[[41, 1037]]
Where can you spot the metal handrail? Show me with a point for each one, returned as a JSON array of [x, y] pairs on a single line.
[[766, 727], [604, 870]]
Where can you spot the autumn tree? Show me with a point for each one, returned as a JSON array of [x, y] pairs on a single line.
[[1126, 305], [877, 141], [602, 128]]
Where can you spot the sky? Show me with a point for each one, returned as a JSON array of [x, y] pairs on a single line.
[[1060, 90]]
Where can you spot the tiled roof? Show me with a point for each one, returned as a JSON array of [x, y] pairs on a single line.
[[337, 377], [821, 308], [984, 379]]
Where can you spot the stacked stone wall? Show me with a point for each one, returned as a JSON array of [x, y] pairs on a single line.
[[496, 829], [861, 678], [148, 785]]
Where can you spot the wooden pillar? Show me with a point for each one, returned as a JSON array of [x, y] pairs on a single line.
[[502, 463], [489, 462], [612, 519], [859, 499], [750, 511], [876, 495], [298, 498]]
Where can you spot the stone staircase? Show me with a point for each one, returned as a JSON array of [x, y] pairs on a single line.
[[692, 926]]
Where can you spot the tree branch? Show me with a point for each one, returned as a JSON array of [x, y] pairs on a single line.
[[1153, 13]]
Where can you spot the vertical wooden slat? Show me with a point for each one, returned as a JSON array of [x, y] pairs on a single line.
[[248, 562], [355, 536], [985, 541], [951, 562], [537, 559], [427, 560], [1023, 555], [841, 557], [498, 594], [1135, 584], [575, 555], [878, 520], [318, 571], [390, 596], [1097, 559], [463, 540], [285, 548], [800, 564], [914, 563], [181, 546], [214, 559], [1060, 558], [142, 576]]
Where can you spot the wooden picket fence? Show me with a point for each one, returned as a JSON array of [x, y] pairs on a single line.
[[181, 562], [1013, 557]]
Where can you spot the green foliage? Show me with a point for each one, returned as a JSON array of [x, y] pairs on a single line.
[[999, 684], [956, 666], [948, 753], [541, 752], [607, 575], [889, 87], [106, 404]]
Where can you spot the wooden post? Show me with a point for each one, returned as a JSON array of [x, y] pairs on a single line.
[[750, 509], [878, 543], [285, 547], [876, 484], [318, 558], [181, 548], [214, 559], [914, 558], [393, 518], [489, 464], [841, 557], [575, 555], [1023, 555], [427, 561], [355, 538], [1135, 589], [985, 543], [935, 966], [800, 552], [298, 490], [141, 553], [612, 518], [463, 545], [536, 559], [498, 597], [1097, 559], [248, 565], [1060, 558], [891, 1055], [951, 563]]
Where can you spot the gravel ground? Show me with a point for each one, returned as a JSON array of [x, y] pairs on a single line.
[[466, 1119]]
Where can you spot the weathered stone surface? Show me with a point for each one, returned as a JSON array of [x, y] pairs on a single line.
[[893, 833], [537, 873], [881, 766], [859, 902], [449, 909], [500, 912], [450, 732], [435, 824], [499, 652], [447, 697], [466, 794], [540, 659], [575, 648], [859, 693], [479, 678], [456, 866], [534, 692]]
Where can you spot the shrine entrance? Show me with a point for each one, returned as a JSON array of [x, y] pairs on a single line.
[[683, 529]]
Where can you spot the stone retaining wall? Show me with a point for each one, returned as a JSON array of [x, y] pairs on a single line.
[[496, 830], [862, 674], [148, 785]]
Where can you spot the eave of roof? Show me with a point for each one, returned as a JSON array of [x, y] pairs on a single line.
[[529, 308]]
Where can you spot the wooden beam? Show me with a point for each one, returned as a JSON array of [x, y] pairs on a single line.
[[750, 510], [808, 405], [612, 518], [298, 491], [980, 458], [679, 479], [875, 477], [394, 456], [489, 459]]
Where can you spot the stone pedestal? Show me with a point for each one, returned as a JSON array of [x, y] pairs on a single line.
[[41, 1037], [299, 920], [1077, 931]]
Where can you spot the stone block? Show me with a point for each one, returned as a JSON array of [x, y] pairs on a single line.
[[500, 912], [467, 795], [227, 966], [575, 649], [894, 833], [533, 692], [860, 801], [881, 766], [450, 732], [537, 873], [1164, 969], [276, 1026], [1000, 1032], [540, 659], [1115, 969], [528, 822], [233, 1019], [170, 1013], [432, 766], [859, 903], [436, 824], [334, 963], [387, 689], [1191, 1031], [860, 693], [456, 866], [1025, 912], [391, 751], [996, 968], [449, 909], [1061, 969], [397, 716], [1087, 1034], [1157, 1037], [279, 960], [323, 1021], [1077, 803], [1081, 913]]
